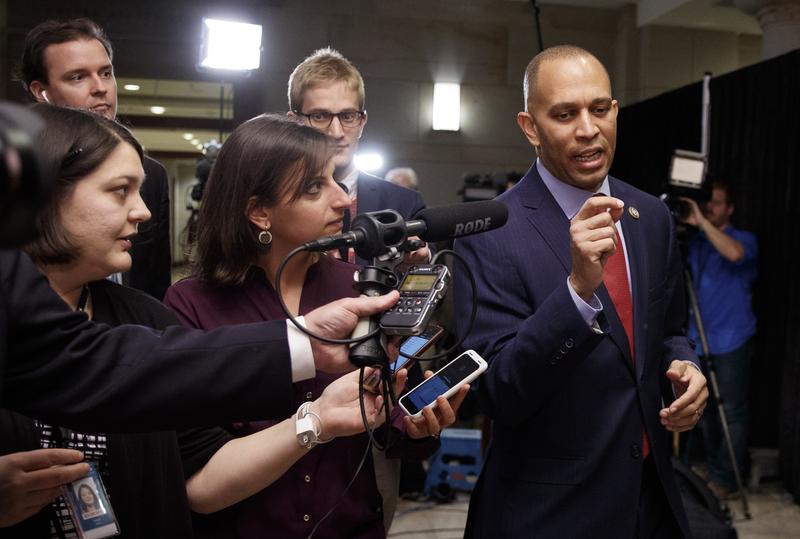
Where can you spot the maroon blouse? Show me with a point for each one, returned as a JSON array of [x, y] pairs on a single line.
[[293, 504]]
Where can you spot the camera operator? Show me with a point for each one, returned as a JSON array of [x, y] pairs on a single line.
[[723, 259]]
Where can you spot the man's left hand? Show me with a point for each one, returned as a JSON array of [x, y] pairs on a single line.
[[689, 385]]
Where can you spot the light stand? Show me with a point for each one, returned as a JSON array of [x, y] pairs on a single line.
[[221, 107]]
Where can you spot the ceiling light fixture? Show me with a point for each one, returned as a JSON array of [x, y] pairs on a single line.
[[446, 106]]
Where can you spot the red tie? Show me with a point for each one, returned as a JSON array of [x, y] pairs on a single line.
[[615, 277]]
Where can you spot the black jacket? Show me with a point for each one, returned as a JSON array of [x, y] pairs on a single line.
[[72, 372], [152, 260]]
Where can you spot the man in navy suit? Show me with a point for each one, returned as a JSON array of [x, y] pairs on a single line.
[[69, 64], [327, 92], [581, 317]]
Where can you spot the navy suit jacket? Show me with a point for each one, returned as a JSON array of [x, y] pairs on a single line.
[[569, 404], [375, 194]]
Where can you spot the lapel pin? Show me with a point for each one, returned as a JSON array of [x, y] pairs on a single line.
[[633, 212]]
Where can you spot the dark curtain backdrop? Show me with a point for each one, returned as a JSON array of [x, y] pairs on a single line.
[[755, 147]]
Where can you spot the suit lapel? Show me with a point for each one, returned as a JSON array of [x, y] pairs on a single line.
[[545, 215], [635, 242], [617, 330], [549, 220], [368, 199]]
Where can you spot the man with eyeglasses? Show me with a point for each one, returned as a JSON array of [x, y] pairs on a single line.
[[327, 91]]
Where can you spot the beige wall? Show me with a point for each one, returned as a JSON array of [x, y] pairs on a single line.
[[401, 48]]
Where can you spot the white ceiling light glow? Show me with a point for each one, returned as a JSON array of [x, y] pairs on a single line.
[[446, 106], [158, 110], [132, 87]]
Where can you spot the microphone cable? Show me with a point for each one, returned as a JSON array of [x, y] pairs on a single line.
[[386, 377], [370, 442], [374, 333]]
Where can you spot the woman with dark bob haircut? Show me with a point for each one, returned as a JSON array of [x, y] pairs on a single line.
[[271, 190], [85, 235]]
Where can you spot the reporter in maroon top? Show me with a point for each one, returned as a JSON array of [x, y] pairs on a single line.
[[271, 190]]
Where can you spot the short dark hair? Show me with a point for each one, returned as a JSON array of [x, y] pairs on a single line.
[[730, 194], [31, 65], [260, 159], [73, 144], [557, 52]]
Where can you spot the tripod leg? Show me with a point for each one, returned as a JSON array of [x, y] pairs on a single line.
[[714, 387]]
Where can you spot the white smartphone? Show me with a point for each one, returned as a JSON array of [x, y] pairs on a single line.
[[446, 382]]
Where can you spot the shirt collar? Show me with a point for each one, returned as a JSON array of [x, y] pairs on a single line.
[[569, 197], [349, 181]]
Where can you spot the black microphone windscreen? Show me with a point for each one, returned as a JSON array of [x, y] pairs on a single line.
[[448, 222]]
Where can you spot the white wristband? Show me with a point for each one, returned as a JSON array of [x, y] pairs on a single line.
[[308, 433]]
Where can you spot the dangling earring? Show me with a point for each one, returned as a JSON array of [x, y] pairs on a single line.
[[265, 237]]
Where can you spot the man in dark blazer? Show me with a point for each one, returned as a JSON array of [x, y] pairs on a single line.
[[327, 92], [58, 365], [581, 317], [151, 271], [69, 64]]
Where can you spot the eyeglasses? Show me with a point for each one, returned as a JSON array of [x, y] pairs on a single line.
[[322, 119]]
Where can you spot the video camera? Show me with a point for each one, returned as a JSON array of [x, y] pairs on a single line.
[[24, 181], [203, 169], [487, 186], [687, 178]]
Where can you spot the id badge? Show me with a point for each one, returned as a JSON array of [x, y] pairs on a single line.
[[89, 507]]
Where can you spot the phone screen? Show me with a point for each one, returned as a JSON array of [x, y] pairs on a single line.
[[449, 376], [414, 345]]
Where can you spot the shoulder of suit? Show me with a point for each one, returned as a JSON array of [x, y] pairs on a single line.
[[365, 179], [151, 166]]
